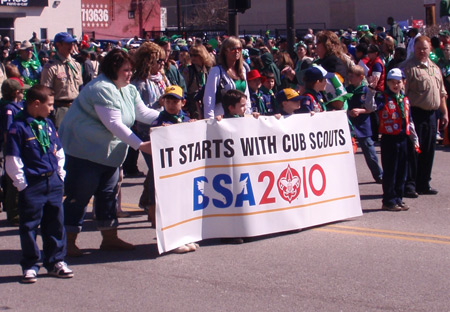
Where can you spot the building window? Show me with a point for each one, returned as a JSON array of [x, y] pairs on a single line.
[[70, 31], [131, 14], [43, 33]]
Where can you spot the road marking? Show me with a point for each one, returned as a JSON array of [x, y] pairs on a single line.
[[361, 231], [416, 237]]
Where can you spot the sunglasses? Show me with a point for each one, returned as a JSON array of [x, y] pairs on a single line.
[[235, 49], [160, 61], [192, 55]]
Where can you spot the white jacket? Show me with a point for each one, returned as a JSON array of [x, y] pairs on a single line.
[[210, 107]]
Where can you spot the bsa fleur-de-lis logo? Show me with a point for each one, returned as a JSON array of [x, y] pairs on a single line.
[[289, 184]]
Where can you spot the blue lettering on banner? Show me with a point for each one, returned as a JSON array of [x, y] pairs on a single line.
[[291, 185]]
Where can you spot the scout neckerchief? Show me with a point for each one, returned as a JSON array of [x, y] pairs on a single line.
[[175, 118], [68, 64], [32, 63], [260, 105], [356, 90], [266, 91], [231, 116], [399, 98], [37, 127]]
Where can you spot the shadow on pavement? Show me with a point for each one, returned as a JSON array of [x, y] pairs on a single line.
[[371, 196]]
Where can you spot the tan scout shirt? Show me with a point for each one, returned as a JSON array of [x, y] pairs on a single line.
[[64, 80], [424, 84]]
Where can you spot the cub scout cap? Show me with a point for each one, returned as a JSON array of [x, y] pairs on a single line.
[[316, 73], [12, 85], [288, 94], [64, 37], [175, 91], [395, 74]]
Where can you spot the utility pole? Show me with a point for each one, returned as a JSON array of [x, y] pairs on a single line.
[[179, 16], [233, 23], [290, 26]]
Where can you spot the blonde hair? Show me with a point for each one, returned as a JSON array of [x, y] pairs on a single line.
[[145, 57], [228, 43], [357, 70], [203, 54]]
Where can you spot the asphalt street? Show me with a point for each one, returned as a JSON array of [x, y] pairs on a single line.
[[382, 261]]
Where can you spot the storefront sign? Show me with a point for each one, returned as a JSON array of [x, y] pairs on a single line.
[[24, 3]]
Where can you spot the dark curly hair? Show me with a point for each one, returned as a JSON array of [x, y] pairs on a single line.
[[113, 61]]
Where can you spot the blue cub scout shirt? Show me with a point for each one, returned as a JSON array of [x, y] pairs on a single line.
[[22, 143]]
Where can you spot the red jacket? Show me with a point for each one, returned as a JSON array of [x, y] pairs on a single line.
[[390, 116], [370, 64]]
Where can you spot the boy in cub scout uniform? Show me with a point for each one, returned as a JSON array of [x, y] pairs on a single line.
[[63, 74], [10, 104], [396, 126], [34, 161]]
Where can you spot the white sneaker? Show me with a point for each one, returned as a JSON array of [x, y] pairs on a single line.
[[192, 246], [181, 249], [29, 276], [61, 270]]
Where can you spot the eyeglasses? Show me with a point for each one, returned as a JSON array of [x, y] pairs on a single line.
[[235, 49], [160, 61]]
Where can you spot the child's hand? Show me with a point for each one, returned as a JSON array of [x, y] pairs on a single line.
[[192, 120], [288, 72], [373, 81], [255, 114], [277, 116], [312, 113], [354, 112], [219, 117], [417, 148]]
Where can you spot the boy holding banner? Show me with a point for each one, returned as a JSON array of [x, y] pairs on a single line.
[[173, 101], [289, 101]]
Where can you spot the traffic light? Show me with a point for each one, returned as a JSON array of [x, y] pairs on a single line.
[[240, 5]]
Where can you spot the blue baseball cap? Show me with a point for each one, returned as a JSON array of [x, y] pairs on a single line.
[[315, 73], [64, 37]]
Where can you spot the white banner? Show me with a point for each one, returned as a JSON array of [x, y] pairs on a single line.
[[244, 177]]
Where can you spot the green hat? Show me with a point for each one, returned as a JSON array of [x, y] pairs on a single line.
[[362, 28], [163, 39], [300, 43], [175, 37], [181, 42], [213, 43], [444, 33]]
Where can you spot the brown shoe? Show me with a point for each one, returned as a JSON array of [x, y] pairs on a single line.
[[72, 249], [112, 242], [391, 207], [404, 206]]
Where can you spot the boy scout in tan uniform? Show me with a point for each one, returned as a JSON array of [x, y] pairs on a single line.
[[63, 74]]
